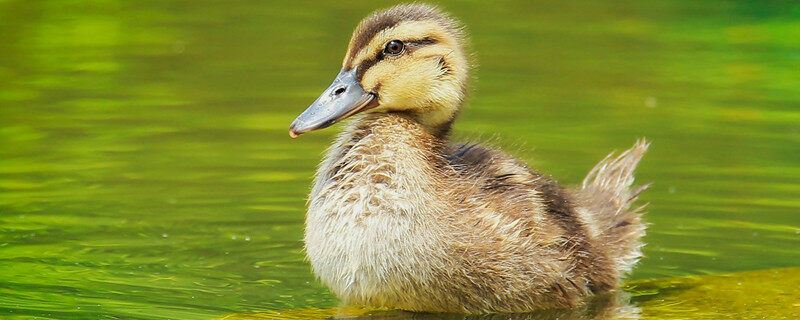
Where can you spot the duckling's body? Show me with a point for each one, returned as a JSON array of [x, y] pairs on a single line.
[[401, 218], [409, 222]]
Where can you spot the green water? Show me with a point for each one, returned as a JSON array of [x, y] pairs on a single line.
[[146, 171]]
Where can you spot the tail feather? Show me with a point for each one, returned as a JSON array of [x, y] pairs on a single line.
[[607, 193]]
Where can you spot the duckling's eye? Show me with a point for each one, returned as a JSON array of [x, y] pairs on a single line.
[[394, 47]]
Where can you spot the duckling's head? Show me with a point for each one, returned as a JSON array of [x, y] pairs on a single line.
[[409, 59]]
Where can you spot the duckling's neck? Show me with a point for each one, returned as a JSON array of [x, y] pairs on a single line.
[[417, 131], [403, 132], [383, 153], [438, 122]]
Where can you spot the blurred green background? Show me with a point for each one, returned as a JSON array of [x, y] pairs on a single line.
[[146, 170]]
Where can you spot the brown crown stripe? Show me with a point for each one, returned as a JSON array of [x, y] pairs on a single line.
[[386, 19]]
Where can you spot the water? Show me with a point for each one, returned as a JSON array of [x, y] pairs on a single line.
[[146, 171]]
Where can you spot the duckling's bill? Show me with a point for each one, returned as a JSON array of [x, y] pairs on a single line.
[[343, 98]]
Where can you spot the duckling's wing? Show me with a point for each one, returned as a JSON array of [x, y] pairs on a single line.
[[551, 216], [502, 182]]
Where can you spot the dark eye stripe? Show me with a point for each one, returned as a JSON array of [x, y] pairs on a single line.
[[362, 69], [421, 42], [411, 45]]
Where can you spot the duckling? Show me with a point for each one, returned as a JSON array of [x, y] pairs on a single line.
[[400, 217]]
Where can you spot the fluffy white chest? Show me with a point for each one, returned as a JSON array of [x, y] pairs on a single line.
[[366, 231]]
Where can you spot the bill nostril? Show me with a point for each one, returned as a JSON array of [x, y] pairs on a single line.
[[339, 91]]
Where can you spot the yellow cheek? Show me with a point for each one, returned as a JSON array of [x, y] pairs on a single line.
[[402, 84]]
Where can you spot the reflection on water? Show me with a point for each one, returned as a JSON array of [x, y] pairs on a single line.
[[763, 294], [605, 307], [145, 169]]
